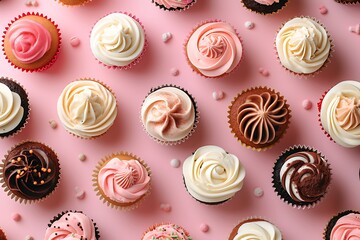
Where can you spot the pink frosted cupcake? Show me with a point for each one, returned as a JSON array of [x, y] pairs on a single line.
[[166, 231], [343, 226], [173, 5]]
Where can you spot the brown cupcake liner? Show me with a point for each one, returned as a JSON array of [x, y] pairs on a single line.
[[325, 64], [153, 227], [102, 195], [332, 222], [8, 191], [162, 7], [2, 232], [73, 5], [267, 13], [264, 148], [347, 2], [51, 62], [26, 104], [194, 69], [319, 119], [281, 192]]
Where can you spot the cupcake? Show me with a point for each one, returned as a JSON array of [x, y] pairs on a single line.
[[264, 6], [87, 108], [2, 235], [255, 228], [122, 180], [73, 2], [15, 108], [344, 226], [213, 49], [301, 176], [72, 225], [31, 42], [303, 45], [340, 113], [118, 40], [259, 117], [213, 176], [29, 172], [169, 114], [166, 231], [173, 5]]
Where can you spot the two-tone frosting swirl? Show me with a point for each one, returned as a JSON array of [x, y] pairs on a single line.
[[212, 175], [267, 2], [124, 181], [117, 40], [71, 225], [29, 40], [86, 108], [214, 49], [168, 114], [11, 111], [303, 45], [340, 113], [305, 176], [258, 230], [346, 228], [173, 3], [167, 231]]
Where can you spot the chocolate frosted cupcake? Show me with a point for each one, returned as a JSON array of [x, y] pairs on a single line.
[[259, 117], [2, 235], [72, 225], [173, 5], [301, 176], [15, 108], [166, 231], [343, 226], [30, 171], [264, 6]]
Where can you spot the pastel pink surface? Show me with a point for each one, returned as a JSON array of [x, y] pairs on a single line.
[[127, 133]]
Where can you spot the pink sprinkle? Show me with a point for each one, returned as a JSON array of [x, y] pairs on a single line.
[[218, 95], [204, 227], [307, 104], [79, 193], [264, 72], [355, 29], [174, 71], [74, 41], [323, 10], [16, 217], [165, 207]]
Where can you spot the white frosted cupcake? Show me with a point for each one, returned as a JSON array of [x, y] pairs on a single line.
[[255, 228]]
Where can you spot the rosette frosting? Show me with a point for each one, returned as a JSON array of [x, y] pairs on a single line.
[[303, 45], [86, 108], [267, 2], [214, 49], [117, 40], [212, 175], [258, 230], [346, 228], [173, 3], [340, 113], [167, 231]]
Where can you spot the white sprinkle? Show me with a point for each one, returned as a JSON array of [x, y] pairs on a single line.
[[218, 95], [28, 237], [249, 25], [82, 157], [166, 36], [175, 163], [165, 207], [79, 193], [258, 192], [53, 124]]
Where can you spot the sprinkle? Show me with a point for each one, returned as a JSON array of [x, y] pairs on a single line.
[[204, 227], [264, 72], [166, 36], [355, 29], [79, 193], [17, 176], [31, 3], [165, 207], [323, 10], [19, 158], [218, 95], [49, 170], [174, 72], [82, 157], [16, 217], [258, 192], [28, 237], [249, 25], [175, 163], [35, 182], [31, 151], [42, 182], [13, 161], [307, 104], [74, 41], [53, 124]]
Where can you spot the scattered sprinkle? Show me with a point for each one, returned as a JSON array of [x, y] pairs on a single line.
[[53, 124], [31, 3], [166, 36], [249, 25], [74, 41], [218, 95], [355, 29], [204, 227], [175, 163], [258, 192], [323, 10], [264, 72], [82, 157], [165, 207], [16, 217], [174, 71], [79, 193], [28, 237], [307, 104]]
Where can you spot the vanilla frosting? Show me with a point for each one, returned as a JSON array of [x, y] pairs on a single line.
[[173, 3], [267, 2], [86, 108], [258, 230], [303, 45], [168, 114], [117, 40], [212, 175], [346, 228], [340, 113], [11, 111]]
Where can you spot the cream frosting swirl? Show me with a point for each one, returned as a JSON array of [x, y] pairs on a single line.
[[267, 2], [258, 230], [340, 113], [117, 40], [168, 114], [11, 111], [124, 181], [29, 40], [346, 228], [214, 49], [303, 45], [213, 175], [173, 3], [86, 108], [167, 231]]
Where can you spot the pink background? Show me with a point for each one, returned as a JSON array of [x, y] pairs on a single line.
[[127, 134]]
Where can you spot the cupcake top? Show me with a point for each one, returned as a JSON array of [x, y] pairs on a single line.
[[340, 113], [214, 49], [346, 227], [86, 108], [256, 229], [303, 45], [117, 40], [168, 114], [264, 6], [166, 231], [212, 175], [173, 4]]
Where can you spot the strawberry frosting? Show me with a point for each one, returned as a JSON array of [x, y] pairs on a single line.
[[267, 2], [174, 3], [167, 231], [347, 228]]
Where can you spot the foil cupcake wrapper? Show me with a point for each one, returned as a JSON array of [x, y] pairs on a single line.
[[73, 5], [282, 4], [162, 7], [332, 222]]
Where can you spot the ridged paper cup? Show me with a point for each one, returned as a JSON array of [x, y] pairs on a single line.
[[162, 7], [73, 3], [330, 225], [2, 235], [262, 9], [347, 2]]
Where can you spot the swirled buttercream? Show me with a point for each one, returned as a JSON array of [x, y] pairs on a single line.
[[340, 113], [267, 2], [346, 228], [303, 45], [258, 230], [214, 49], [86, 108], [212, 175], [173, 3], [167, 231], [117, 40]]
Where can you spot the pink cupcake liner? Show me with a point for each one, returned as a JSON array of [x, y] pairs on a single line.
[[174, 9]]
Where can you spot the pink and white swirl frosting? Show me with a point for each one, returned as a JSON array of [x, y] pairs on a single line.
[[167, 231], [168, 114], [267, 2], [173, 3], [124, 181], [346, 228], [71, 226], [214, 49], [29, 40]]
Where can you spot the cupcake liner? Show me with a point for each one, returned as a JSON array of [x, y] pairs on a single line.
[[282, 4], [2, 233], [263, 148], [194, 69], [162, 7], [8, 190], [347, 3], [153, 227], [73, 5], [139, 58], [196, 121], [25, 103], [102, 195], [319, 119], [332, 222], [326, 63], [52, 61], [280, 191]]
